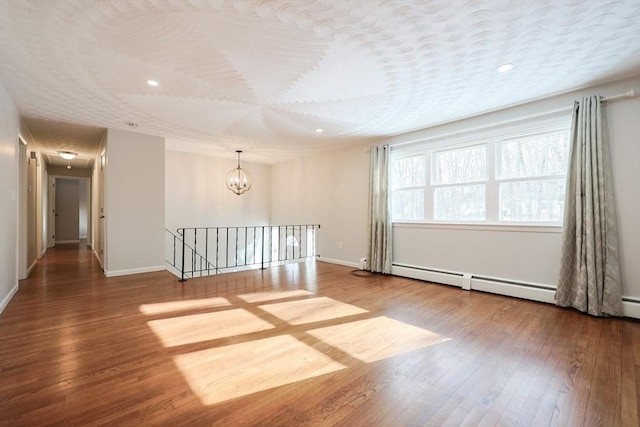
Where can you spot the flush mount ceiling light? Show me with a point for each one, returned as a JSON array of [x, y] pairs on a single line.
[[238, 180], [504, 68], [67, 155], [319, 130], [153, 83]]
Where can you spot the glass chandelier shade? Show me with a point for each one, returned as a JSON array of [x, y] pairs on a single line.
[[238, 180], [67, 155]]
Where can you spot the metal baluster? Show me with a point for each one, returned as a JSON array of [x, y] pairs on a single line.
[[206, 248], [193, 257], [182, 279], [262, 250], [235, 261]]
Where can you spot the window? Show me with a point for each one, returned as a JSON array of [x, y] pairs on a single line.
[[407, 185], [459, 177], [531, 176], [512, 176]]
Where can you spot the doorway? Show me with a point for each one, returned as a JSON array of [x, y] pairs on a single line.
[[27, 205], [70, 211]]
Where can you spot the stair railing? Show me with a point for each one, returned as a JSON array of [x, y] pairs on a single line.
[[203, 251]]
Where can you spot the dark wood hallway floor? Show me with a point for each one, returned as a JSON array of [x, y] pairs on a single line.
[[302, 344]]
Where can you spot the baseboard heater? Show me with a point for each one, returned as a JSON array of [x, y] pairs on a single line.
[[531, 291]]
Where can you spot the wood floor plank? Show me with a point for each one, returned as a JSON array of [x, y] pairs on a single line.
[[77, 348]]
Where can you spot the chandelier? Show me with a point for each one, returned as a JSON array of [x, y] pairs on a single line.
[[238, 180]]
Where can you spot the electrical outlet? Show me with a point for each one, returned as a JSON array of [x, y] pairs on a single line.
[[339, 245]]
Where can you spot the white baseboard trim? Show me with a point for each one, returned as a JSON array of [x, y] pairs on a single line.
[[64, 242], [443, 277], [98, 258], [44, 251], [339, 262], [631, 309], [31, 267], [6, 299], [539, 294], [530, 291], [129, 271]]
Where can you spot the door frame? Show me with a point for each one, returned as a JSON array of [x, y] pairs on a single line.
[[51, 210], [51, 207], [22, 244]]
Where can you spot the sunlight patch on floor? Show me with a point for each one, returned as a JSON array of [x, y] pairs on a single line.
[[375, 339], [194, 328], [274, 295], [311, 310], [191, 304], [225, 373]]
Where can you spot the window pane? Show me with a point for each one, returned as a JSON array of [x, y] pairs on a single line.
[[408, 205], [462, 165], [532, 200], [537, 155], [460, 203], [408, 172]]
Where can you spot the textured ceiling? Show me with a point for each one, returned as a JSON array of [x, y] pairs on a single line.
[[59, 136], [262, 75]]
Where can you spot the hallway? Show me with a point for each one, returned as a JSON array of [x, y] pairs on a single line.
[[301, 344]]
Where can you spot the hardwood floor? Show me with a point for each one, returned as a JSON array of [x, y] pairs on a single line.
[[302, 344]]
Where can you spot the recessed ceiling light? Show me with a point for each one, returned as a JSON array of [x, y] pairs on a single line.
[[152, 83], [319, 130], [505, 68]]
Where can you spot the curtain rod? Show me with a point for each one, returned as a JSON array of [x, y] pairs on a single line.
[[628, 94]]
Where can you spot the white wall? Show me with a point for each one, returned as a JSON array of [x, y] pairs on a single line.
[[624, 130], [63, 171], [530, 256], [196, 195], [329, 189], [518, 254], [9, 125], [135, 208]]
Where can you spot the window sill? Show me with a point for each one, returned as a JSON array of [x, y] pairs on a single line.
[[502, 227]]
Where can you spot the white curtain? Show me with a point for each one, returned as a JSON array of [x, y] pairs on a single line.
[[379, 257], [590, 271]]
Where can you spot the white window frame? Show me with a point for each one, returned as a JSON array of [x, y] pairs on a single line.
[[415, 187], [432, 186], [498, 181], [490, 137]]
